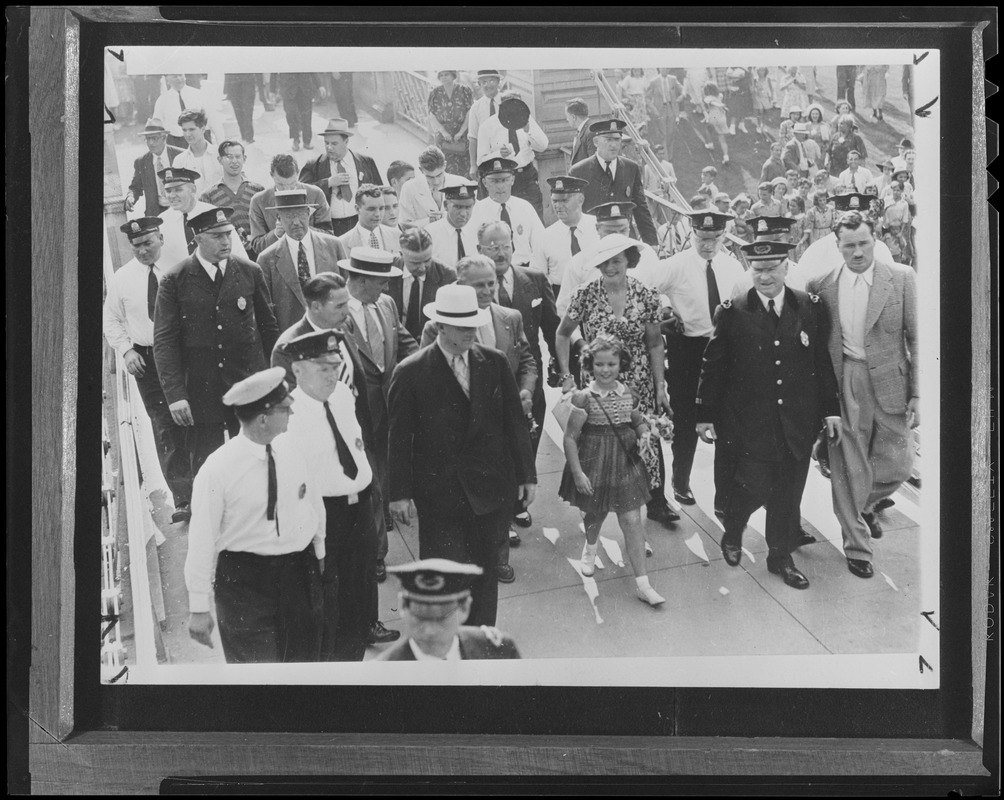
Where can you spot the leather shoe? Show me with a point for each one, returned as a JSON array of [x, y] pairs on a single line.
[[732, 553], [181, 514], [684, 496], [661, 512], [380, 635], [863, 569], [514, 540], [506, 574], [804, 538], [381, 571], [523, 519], [873, 524], [884, 503], [789, 573]]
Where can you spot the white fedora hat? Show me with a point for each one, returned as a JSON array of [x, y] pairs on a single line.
[[607, 248], [371, 261], [457, 305]]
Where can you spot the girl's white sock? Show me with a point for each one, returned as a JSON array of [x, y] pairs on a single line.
[[642, 582]]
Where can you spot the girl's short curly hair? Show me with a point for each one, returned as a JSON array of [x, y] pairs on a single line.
[[604, 342]]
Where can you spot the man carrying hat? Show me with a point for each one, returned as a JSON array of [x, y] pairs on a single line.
[[145, 181], [326, 431], [257, 513], [179, 235], [212, 328], [766, 388], [567, 236], [614, 179], [453, 235], [128, 328], [461, 445], [497, 177], [513, 133], [339, 172], [435, 601], [298, 256], [484, 107]]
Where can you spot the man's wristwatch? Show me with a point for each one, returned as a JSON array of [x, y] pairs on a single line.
[[566, 376]]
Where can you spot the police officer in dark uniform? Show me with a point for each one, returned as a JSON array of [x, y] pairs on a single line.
[[213, 327], [766, 385], [435, 601]]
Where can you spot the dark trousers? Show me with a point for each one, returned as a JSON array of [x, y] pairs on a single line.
[[725, 467], [349, 580], [341, 88], [147, 88], [172, 453], [242, 99], [846, 76], [527, 187], [470, 539], [269, 607], [343, 225], [201, 440], [298, 105], [684, 355], [776, 485]]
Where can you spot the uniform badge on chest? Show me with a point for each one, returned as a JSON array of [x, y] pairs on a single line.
[[242, 303], [805, 339], [359, 444], [519, 229]]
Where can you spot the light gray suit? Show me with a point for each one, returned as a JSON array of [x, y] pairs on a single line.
[[875, 453], [281, 277]]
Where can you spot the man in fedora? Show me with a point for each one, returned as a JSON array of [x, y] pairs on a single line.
[[612, 178], [435, 602], [145, 182], [284, 172], [453, 235], [213, 327], [298, 256], [461, 445], [339, 172], [498, 177], [179, 235], [513, 133], [484, 107], [297, 90]]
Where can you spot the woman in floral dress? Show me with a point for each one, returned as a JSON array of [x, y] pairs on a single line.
[[448, 106]]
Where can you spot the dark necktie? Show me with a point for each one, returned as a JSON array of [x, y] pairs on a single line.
[[713, 297], [514, 143], [181, 99], [461, 252], [772, 312], [608, 171], [151, 292], [504, 216], [341, 447], [189, 234], [218, 280], [413, 319], [344, 191], [504, 298], [273, 487], [492, 108], [575, 241], [302, 265]]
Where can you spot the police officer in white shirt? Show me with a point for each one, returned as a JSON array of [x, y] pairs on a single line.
[[513, 133], [569, 235], [128, 328], [327, 432], [497, 176], [453, 237], [257, 513]]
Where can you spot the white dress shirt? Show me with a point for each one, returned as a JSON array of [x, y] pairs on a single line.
[[493, 134], [126, 319], [465, 357], [417, 202], [229, 500], [207, 165], [486, 333], [453, 654], [384, 240], [294, 251], [359, 312], [480, 111], [858, 179], [778, 301], [555, 250], [312, 435], [444, 240], [211, 268], [603, 165], [823, 257], [578, 274], [406, 281], [167, 109], [683, 279], [176, 245], [527, 229], [344, 208], [853, 289], [507, 282]]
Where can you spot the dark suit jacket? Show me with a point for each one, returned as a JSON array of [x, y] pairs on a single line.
[[474, 644], [281, 277], [772, 169], [759, 407], [144, 179], [582, 145], [447, 446], [627, 185], [203, 343], [533, 297], [437, 275], [318, 170]]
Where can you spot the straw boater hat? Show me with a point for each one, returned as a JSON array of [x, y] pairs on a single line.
[[371, 261], [154, 127], [290, 198], [607, 248], [457, 305], [337, 125]]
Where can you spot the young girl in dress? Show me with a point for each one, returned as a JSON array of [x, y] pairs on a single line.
[[603, 469]]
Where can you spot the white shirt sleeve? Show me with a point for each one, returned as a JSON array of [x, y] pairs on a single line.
[[114, 322], [207, 518]]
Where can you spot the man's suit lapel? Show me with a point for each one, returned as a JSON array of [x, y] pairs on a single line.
[[199, 277], [389, 326], [757, 312], [828, 291], [353, 331], [478, 379], [503, 333], [789, 313], [879, 294], [445, 376], [287, 271], [395, 289]]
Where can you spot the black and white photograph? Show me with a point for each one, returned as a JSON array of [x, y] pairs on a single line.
[[599, 367]]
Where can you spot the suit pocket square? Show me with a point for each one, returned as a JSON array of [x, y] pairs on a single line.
[[536, 302]]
